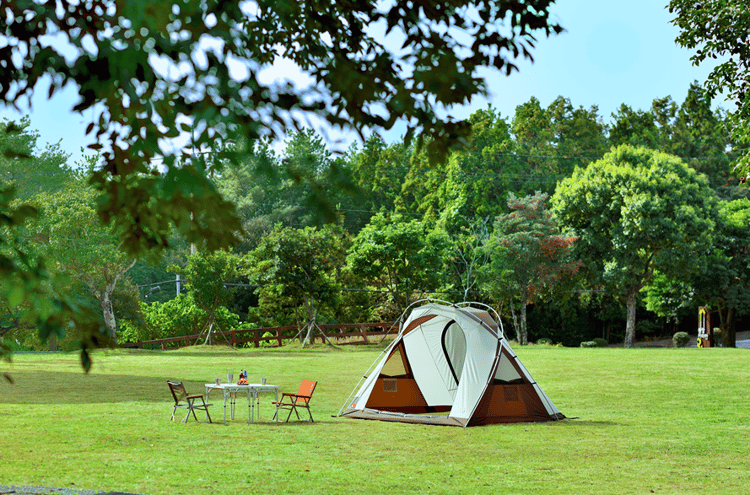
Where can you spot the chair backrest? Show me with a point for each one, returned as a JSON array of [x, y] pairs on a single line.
[[178, 391], [306, 388]]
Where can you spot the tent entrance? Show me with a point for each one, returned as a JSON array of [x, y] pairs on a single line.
[[396, 390], [454, 350]]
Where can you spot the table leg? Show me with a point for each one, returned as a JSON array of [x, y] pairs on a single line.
[[226, 396], [249, 406]]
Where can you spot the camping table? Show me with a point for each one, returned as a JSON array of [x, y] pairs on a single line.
[[230, 390]]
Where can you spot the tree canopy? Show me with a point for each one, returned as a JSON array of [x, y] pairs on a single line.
[[69, 235], [149, 72], [637, 211], [719, 30], [153, 71], [528, 255], [399, 255]]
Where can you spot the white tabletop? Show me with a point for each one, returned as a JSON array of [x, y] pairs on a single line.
[[230, 391], [249, 386]]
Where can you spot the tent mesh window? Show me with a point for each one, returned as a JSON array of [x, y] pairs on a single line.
[[396, 365], [506, 373]]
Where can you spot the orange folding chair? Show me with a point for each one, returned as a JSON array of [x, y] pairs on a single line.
[[294, 401]]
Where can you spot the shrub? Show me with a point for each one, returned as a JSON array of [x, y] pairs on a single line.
[[680, 339], [600, 342], [267, 343], [178, 316], [544, 341], [589, 343]]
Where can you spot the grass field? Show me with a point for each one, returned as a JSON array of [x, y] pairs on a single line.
[[646, 421]]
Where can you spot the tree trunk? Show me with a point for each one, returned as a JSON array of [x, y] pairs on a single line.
[[516, 326], [523, 335], [311, 324], [630, 325], [108, 311], [210, 337], [729, 331], [104, 297]]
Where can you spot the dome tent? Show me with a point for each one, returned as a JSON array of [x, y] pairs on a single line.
[[449, 365]]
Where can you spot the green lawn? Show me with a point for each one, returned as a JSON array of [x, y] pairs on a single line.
[[646, 421]]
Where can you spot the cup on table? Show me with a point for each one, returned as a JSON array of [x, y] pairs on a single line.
[[262, 381], [218, 381], [230, 377]]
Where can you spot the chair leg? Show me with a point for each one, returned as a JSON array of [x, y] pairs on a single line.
[[191, 406]]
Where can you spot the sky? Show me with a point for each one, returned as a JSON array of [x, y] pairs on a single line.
[[612, 52]]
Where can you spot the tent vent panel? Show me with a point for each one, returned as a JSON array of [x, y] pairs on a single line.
[[511, 394], [389, 385]]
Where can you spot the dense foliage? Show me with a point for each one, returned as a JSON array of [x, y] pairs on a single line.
[[635, 212], [717, 29], [148, 72], [657, 233]]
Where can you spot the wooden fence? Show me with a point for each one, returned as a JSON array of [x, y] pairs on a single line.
[[342, 334]]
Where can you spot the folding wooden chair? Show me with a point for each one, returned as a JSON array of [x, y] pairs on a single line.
[[189, 402], [293, 401]]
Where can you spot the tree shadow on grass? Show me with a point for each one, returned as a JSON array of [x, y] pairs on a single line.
[[39, 387]]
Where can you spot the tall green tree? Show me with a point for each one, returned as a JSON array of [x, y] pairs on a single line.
[[300, 264], [717, 29], [68, 233], [31, 293], [528, 256], [534, 136], [702, 137], [476, 179], [42, 170], [637, 211], [399, 255], [206, 276], [579, 134], [634, 128], [378, 172], [725, 284]]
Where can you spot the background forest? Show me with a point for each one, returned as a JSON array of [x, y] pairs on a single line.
[[571, 227]]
